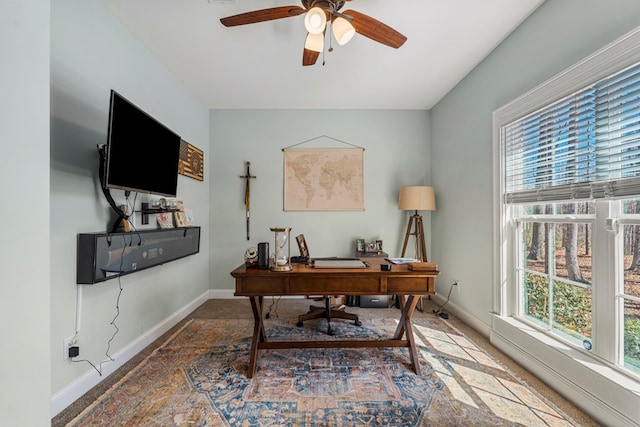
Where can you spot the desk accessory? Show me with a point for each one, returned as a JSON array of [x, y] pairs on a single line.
[[385, 267], [263, 255], [302, 246], [251, 257], [282, 257]]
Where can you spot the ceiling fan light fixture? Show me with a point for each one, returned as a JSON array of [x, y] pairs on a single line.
[[315, 20], [343, 31], [314, 42]]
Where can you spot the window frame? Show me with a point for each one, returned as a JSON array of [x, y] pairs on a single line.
[[614, 57]]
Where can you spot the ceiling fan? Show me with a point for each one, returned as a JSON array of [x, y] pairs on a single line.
[[317, 14]]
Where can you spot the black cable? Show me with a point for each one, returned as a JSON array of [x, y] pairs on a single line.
[[438, 311], [273, 302], [130, 209]]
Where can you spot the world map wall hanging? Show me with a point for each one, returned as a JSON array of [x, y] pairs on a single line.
[[191, 161], [323, 179]]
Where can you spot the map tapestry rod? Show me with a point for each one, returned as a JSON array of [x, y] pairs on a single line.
[[247, 195], [323, 136]]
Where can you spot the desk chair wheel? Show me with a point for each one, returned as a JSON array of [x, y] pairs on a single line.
[[328, 312]]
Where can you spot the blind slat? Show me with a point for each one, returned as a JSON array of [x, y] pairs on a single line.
[[584, 146]]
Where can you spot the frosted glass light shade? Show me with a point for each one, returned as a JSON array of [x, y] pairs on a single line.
[[315, 20], [417, 198], [343, 31], [314, 42]]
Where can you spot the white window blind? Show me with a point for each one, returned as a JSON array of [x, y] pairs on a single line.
[[585, 146]]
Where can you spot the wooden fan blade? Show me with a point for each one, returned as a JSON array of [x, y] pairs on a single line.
[[375, 30], [262, 15], [309, 57]]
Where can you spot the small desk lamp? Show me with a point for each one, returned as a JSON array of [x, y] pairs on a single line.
[[416, 199]]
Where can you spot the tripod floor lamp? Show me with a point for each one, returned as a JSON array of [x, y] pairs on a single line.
[[416, 198]]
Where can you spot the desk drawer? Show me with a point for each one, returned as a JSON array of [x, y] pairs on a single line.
[[374, 301], [260, 286], [411, 285]]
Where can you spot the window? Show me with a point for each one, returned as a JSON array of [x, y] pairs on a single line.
[[555, 271], [569, 203]]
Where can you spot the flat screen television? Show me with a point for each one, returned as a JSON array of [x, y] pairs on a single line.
[[141, 154]]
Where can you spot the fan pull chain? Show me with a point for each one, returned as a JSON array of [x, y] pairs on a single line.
[[330, 47]]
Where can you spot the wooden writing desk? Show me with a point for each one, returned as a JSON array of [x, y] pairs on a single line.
[[407, 285]]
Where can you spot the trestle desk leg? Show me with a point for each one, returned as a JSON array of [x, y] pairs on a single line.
[[405, 328], [259, 334]]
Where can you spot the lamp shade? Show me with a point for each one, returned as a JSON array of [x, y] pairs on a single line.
[[314, 42], [315, 20], [417, 198], [343, 31]]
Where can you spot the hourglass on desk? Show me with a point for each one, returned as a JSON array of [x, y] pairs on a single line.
[[282, 258]]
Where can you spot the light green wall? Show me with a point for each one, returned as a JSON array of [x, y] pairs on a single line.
[[91, 53], [24, 185], [557, 35], [397, 153]]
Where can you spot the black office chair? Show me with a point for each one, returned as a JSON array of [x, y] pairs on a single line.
[[328, 312]]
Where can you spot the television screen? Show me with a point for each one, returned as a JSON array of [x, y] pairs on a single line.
[[141, 154]]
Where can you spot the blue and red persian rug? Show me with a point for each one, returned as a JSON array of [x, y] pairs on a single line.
[[197, 378]]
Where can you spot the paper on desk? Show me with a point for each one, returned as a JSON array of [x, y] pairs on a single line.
[[402, 260]]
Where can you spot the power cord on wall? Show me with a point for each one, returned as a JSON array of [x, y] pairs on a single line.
[[439, 311], [113, 322]]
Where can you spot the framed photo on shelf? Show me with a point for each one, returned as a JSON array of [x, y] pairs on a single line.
[[302, 246], [188, 214], [164, 220], [180, 219]]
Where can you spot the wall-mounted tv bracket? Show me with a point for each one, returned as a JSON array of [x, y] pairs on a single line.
[[102, 150], [145, 211]]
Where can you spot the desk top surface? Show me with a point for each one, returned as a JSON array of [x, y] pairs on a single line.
[[302, 269]]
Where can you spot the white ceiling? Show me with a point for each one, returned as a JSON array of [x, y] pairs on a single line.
[[260, 65]]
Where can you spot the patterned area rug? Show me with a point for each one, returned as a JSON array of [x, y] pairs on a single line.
[[197, 378]]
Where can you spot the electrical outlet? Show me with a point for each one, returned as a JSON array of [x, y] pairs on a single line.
[[457, 282], [66, 344]]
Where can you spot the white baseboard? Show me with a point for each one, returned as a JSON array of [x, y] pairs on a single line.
[[473, 322], [221, 294], [74, 390]]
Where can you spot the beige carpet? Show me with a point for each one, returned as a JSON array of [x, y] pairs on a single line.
[[487, 387]]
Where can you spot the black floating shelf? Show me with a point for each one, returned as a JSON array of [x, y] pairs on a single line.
[[104, 256]]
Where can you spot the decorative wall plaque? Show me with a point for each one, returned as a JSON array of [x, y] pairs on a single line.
[[191, 162]]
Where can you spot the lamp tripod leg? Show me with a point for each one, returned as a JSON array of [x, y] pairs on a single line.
[[421, 250], [406, 236]]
